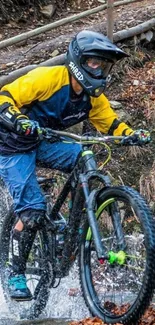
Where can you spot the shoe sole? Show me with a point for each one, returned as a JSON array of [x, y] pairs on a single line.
[[21, 299]]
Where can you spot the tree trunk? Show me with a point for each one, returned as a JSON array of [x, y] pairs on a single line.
[[110, 19]]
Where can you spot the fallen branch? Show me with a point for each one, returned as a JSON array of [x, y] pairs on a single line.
[[58, 60], [139, 29], [43, 29]]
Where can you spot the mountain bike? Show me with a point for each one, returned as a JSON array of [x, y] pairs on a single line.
[[109, 230]]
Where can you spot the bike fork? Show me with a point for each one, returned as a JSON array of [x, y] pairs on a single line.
[[89, 198], [116, 219]]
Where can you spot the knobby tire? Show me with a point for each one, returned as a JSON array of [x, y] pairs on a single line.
[[144, 296]]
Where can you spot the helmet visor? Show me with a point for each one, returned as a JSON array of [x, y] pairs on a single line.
[[97, 67]]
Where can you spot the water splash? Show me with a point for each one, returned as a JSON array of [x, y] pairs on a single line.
[[67, 301]]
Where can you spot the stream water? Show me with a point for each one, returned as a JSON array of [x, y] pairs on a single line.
[[65, 302]]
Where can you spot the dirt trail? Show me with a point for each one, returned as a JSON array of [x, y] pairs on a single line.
[[42, 47]]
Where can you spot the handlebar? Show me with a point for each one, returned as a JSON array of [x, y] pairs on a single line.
[[83, 139], [67, 137], [50, 134]]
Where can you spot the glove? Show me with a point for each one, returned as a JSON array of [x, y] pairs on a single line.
[[139, 137], [28, 127], [142, 137]]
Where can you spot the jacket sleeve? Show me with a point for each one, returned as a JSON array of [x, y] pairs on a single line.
[[38, 84], [105, 119], [13, 96]]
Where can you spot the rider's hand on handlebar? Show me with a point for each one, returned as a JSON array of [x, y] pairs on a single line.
[[28, 127], [31, 128], [139, 137]]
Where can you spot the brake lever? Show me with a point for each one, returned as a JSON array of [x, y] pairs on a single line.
[[48, 134]]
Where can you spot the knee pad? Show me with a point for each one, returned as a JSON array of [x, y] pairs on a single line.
[[32, 219]]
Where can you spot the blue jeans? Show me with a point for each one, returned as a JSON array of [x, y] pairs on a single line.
[[19, 172]]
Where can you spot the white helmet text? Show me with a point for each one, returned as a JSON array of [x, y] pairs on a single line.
[[75, 70]]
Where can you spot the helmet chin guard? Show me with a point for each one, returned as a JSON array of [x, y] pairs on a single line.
[[87, 45]]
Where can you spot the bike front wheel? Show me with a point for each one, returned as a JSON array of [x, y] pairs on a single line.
[[120, 289]]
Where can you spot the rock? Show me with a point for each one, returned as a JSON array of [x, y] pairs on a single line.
[[54, 53], [10, 64], [115, 105], [149, 35], [142, 36], [135, 82], [73, 292], [48, 11], [77, 129], [124, 116]]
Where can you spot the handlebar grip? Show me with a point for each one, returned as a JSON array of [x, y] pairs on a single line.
[[132, 140]]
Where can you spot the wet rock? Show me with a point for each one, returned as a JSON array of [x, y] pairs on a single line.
[[74, 292]]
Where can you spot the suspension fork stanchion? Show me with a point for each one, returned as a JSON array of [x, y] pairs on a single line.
[[91, 169], [116, 219], [89, 198]]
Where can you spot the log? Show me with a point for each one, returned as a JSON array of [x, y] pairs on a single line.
[[139, 29], [43, 29], [59, 60], [15, 74]]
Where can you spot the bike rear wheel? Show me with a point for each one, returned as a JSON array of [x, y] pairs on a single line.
[[37, 271], [120, 289]]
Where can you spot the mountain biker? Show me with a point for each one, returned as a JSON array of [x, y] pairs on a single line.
[[55, 97]]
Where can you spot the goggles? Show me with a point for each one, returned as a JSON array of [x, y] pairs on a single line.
[[97, 67]]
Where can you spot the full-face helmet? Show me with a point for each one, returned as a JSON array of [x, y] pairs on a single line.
[[89, 59]]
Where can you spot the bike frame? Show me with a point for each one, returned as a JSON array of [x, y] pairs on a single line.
[[79, 185], [82, 197]]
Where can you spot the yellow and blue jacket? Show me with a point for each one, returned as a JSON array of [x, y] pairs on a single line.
[[44, 95]]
